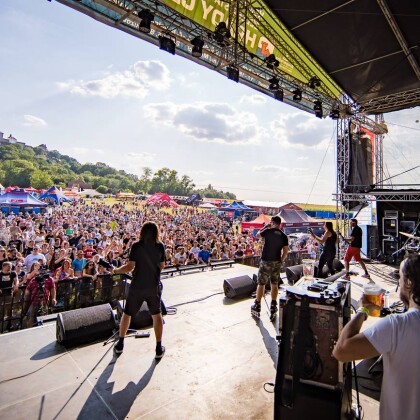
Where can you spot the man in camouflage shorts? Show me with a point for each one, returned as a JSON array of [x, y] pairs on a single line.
[[274, 253]]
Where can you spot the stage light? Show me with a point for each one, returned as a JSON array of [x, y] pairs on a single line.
[[197, 50], [233, 73], [318, 109], [297, 95], [167, 44], [271, 61], [278, 95], [146, 20], [335, 113], [314, 82], [222, 34], [274, 83]]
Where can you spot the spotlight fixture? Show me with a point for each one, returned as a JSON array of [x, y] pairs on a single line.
[[272, 61], [222, 34], [197, 50], [274, 83], [297, 95], [335, 113], [314, 82], [167, 44], [278, 95], [233, 73], [146, 19], [318, 109]]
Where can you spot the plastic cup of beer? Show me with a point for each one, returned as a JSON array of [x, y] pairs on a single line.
[[373, 295], [308, 270]]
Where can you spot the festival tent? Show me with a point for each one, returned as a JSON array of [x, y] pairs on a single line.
[[71, 195], [257, 223], [161, 199], [20, 199], [237, 207], [207, 206], [53, 194], [296, 220]]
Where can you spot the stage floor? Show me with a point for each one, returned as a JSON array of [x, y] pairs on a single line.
[[217, 360]]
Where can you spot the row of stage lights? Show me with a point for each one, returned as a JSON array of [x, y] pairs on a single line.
[[221, 36]]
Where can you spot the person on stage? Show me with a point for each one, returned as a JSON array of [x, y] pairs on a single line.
[[353, 250], [397, 338], [329, 240], [274, 253], [146, 260]]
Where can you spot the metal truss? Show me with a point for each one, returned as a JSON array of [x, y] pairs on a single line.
[[379, 153], [396, 196], [388, 103], [343, 173]]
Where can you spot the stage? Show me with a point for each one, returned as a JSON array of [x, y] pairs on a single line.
[[217, 360]]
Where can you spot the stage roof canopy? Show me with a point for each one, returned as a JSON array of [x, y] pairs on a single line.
[[370, 48]]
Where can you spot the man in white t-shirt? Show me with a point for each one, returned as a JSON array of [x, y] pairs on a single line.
[[397, 338], [181, 256]]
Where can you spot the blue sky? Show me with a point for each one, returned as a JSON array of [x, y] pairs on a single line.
[[98, 94]]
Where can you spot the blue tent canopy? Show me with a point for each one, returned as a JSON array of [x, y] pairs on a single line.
[[54, 194], [236, 206], [20, 199]]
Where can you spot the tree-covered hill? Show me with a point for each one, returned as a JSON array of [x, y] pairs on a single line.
[[26, 166]]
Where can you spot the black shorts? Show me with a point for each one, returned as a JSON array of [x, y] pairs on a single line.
[[136, 297]]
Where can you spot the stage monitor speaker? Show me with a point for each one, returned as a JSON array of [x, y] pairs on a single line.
[[143, 318], [81, 326], [294, 273], [239, 286]]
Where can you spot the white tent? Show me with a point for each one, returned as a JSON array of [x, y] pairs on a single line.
[[207, 206]]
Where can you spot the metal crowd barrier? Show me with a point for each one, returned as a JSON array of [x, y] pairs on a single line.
[[70, 294]]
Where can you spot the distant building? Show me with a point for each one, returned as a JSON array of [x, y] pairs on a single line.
[[4, 141]]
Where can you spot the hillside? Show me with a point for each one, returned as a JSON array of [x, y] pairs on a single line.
[[40, 168]]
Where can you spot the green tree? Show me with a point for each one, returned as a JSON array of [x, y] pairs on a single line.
[[18, 172], [41, 180], [102, 189]]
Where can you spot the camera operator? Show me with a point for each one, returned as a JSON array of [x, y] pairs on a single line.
[[396, 337], [40, 289]]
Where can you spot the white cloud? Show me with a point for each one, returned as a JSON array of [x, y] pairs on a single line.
[[268, 168], [136, 82], [208, 122], [255, 99], [32, 121], [301, 130]]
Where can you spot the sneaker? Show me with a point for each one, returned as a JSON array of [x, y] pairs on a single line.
[[160, 353], [366, 276], [119, 347]]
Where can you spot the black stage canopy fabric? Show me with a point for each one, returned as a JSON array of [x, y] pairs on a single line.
[[356, 44]]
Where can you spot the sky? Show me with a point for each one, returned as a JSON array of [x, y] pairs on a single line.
[[100, 95]]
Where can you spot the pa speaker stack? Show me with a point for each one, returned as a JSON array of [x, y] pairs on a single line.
[[237, 287], [81, 326]]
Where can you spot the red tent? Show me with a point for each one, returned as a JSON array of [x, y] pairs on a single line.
[[257, 223], [161, 199]]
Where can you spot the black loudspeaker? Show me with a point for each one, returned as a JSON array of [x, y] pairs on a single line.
[[337, 265], [143, 318], [294, 273], [239, 286], [81, 326]]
